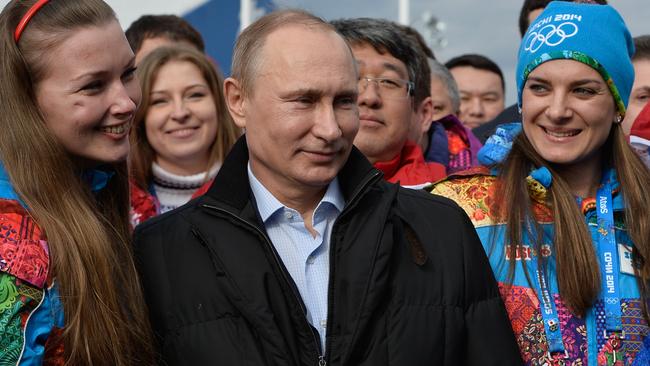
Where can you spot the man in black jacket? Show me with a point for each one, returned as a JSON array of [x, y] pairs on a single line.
[[300, 254]]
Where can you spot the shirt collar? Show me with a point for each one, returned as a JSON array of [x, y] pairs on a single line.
[[267, 204]]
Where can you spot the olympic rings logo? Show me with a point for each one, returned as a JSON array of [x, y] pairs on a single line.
[[550, 35]]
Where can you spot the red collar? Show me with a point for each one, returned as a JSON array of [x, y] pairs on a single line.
[[409, 168]]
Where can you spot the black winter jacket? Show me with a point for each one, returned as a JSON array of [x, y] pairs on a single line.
[[409, 282]]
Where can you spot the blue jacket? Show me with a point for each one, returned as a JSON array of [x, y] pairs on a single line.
[[582, 337], [30, 308]]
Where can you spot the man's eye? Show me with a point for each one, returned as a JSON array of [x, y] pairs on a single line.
[[643, 97], [388, 83], [346, 102], [129, 74], [303, 100]]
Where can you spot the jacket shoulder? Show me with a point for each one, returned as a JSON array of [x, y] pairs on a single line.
[[474, 193], [168, 221], [24, 252]]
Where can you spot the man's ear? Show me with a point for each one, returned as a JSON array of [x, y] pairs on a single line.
[[424, 114], [235, 101]]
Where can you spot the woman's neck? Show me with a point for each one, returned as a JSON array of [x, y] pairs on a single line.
[[583, 178], [192, 166]]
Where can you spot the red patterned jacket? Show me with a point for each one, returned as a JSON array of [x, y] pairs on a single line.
[[31, 314]]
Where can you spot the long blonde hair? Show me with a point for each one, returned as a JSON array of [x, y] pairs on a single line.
[[142, 154], [88, 235], [576, 261]]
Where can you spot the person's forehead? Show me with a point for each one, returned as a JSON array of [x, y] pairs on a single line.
[[466, 76], [294, 42], [439, 87], [304, 55], [369, 56], [641, 66]]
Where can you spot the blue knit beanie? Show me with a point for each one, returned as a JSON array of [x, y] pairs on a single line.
[[595, 35]]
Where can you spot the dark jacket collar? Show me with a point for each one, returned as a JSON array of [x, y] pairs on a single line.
[[231, 185]]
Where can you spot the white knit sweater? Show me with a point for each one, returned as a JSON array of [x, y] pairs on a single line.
[[175, 190]]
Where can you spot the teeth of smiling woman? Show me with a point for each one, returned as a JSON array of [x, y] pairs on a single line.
[[562, 134], [114, 129]]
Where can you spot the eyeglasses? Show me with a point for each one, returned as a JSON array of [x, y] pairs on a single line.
[[388, 88]]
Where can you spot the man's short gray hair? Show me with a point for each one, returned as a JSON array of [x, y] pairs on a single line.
[[247, 57], [439, 71]]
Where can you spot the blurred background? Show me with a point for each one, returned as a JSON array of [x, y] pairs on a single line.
[[451, 27]]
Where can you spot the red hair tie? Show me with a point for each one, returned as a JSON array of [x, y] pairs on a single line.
[[27, 17]]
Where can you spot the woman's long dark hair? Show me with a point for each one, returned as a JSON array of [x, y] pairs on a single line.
[[576, 260]]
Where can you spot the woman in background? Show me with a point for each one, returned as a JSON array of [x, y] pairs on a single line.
[[563, 212], [69, 291], [182, 131]]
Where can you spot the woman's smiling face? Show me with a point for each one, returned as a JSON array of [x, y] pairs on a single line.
[[89, 94], [568, 112]]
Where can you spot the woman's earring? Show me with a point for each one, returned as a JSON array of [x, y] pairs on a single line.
[[618, 119]]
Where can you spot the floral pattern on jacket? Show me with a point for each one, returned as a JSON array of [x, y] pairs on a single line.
[[29, 311], [583, 337]]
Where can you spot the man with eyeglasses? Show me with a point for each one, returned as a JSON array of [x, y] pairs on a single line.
[[394, 99]]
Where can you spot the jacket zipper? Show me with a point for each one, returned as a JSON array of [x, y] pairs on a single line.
[[330, 292], [322, 359], [321, 356]]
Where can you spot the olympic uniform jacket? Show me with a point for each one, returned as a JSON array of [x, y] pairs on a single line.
[[409, 282], [31, 314], [409, 168], [583, 338]]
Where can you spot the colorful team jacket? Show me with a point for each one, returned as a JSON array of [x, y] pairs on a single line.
[[583, 337], [31, 314]]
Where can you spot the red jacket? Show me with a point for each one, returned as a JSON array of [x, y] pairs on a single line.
[[409, 168], [640, 135]]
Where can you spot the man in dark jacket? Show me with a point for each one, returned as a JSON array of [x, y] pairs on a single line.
[[300, 254]]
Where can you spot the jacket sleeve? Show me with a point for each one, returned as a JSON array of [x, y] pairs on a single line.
[[490, 340], [11, 330], [152, 267]]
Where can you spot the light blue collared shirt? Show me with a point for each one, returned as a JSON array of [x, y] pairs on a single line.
[[305, 257]]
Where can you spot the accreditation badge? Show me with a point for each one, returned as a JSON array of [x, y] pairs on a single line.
[[625, 259]]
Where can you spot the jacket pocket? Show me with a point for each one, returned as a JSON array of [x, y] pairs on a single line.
[[224, 341]]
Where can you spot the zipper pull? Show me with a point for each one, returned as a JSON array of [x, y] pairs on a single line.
[[321, 361]]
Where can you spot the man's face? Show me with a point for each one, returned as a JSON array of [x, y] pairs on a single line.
[[481, 95], [640, 93], [442, 104], [301, 115], [384, 120]]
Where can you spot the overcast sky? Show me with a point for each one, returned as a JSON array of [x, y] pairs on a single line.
[[488, 27]]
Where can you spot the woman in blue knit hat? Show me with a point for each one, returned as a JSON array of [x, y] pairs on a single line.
[[562, 209]]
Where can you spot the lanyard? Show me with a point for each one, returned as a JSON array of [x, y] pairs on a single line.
[[549, 312], [608, 255], [550, 316], [609, 263]]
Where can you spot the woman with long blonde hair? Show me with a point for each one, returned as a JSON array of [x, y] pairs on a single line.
[[181, 133], [69, 291], [563, 211]]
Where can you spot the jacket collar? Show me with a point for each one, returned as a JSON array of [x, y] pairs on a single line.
[[231, 186], [6, 188]]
